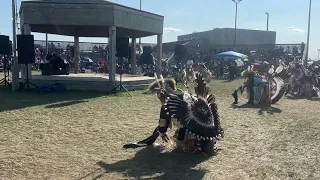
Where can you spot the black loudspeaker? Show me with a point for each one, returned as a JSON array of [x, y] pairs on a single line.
[[25, 45], [10, 47], [122, 46], [4, 45], [147, 49], [146, 59], [129, 55], [180, 51]]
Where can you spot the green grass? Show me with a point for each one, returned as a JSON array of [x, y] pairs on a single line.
[[77, 135]]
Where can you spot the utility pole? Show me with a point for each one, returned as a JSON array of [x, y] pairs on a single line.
[[140, 37], [235, 22], [267, 21], [139, 68], [15, 72], [308, 38]]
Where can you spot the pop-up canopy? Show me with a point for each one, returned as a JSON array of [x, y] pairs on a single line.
[[231, 54]]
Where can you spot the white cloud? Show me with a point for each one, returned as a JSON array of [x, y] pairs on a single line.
[[296, 29], [170, 29]]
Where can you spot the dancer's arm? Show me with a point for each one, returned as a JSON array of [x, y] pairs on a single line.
[[161, 130], [151, 139], [164, 123]]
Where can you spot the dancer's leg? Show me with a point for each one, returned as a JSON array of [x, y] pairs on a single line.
[[239, 89]]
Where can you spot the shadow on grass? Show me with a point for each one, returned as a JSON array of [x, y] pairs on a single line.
[[65, 104], [150, 163], [268, 109], [227, 81], [301, 97], [245, 106], [18, 100], [298, 97]]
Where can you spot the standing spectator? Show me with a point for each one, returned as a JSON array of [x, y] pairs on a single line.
[[302, 48], [232, 70], [58, 46], [68, 48], [221, 68], [288, 50]]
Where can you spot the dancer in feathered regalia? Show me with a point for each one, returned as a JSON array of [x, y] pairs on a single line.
[[196, 117], [263, 89], [249, 74]]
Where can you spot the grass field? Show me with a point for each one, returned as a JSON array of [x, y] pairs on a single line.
[[78, 135]]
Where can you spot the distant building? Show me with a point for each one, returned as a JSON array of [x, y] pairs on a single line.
[[225, 37]]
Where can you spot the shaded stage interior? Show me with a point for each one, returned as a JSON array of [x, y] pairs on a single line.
[[93, 82]]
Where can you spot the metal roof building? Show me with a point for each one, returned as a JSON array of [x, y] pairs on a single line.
[[225, 37]]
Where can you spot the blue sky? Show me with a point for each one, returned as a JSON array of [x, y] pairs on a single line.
[[289, 18]]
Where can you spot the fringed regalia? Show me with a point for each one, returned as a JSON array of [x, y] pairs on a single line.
[[196, 117], [263, 90], [302, 82], [249, 74], [199, 118]]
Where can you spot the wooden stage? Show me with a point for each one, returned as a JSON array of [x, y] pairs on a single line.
[[93, 82]]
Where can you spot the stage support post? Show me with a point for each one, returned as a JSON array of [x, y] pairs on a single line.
[[76, 55], [47, 48], [26, 30], [16, 67], [133, 57], [112, 53], [159, 54]]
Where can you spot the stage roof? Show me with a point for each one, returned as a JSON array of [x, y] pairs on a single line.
[[88, 18]]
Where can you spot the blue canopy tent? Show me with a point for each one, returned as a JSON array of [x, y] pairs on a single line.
[[230, 54], [238, 58]]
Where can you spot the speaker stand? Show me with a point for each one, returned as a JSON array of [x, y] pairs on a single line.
[[121, 88], [27, 83], [4, 81], [6, 74]]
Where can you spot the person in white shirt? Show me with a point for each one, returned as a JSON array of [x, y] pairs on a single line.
[[190, 63], [59, 46]]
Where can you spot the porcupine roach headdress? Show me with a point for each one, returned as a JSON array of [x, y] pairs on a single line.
[[199, 117], [158, 84], [164, 88]]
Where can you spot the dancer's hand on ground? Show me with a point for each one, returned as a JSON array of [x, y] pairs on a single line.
[[165, 138]]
